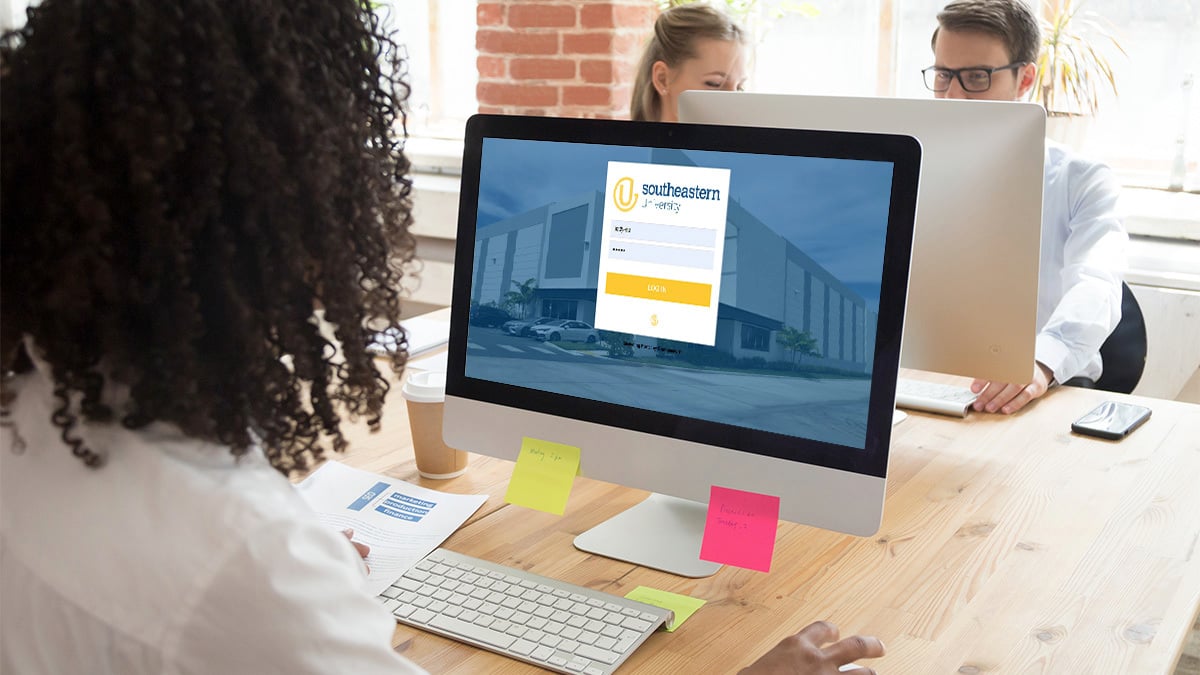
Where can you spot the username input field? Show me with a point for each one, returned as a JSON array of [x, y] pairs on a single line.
[[659, 233]]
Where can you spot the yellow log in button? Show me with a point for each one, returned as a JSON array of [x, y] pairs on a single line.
[[651, 288]]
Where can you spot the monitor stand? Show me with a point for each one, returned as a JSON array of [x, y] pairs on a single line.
[[898, 416], [661, 532]]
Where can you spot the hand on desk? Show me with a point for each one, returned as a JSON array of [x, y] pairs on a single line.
[[802, 654], [1008, 398]]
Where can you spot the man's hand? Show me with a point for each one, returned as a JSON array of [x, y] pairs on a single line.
[[1009, 398], [363, 549], [802, 654]]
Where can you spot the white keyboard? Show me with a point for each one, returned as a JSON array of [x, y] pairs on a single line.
[[546, 622], [943, 399]]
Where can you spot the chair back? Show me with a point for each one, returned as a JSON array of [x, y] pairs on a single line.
[[1124, 352]]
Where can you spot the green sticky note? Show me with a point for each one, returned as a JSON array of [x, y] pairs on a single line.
[[543, 476], [682, 605]]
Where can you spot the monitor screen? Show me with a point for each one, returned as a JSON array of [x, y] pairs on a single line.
[[671, 296]]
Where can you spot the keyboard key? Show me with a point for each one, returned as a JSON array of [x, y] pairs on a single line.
[[611, 631], [470, 630], [542, 652], [568, 646], [422, 615], [391, 592], [417, 575], [558, 661], [523, 647], [592, 670], [605, 643], [570, 633], [595, 654], [391, 605], [577, 666], [636, 624], [551, 640]]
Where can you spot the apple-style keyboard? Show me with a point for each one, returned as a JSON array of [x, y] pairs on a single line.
[[528, 617], [934, 397]]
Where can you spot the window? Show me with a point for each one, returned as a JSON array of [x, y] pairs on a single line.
[[756, 338], [560, 309], [439, 39], [878, 48]]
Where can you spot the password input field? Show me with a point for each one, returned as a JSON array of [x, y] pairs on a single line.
[[660, 255]]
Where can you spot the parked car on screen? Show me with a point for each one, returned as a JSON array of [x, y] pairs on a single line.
[[486, 315], [524, 327], [566, 330]]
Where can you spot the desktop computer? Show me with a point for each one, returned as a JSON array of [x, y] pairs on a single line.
[[972, 302], [724, 308]]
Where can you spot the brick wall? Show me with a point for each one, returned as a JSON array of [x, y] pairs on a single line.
[[560, 58]]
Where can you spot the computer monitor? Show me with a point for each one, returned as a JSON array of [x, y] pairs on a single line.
[[725, 306], [972, 302]]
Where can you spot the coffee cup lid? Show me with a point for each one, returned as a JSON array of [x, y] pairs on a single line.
[[425, 387]]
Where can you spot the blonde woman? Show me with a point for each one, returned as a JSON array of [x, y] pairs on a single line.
[[694, 46]]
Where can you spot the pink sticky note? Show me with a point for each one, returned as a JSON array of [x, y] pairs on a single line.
[[740, 528]]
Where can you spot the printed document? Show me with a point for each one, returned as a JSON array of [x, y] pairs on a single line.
[[401, 522]]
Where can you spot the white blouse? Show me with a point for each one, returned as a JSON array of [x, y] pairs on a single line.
[[172, 558]]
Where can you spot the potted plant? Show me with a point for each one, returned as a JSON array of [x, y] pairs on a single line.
[[1073, 71]]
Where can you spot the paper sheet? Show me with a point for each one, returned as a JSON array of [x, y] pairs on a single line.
[[424, 332], [401, 522]]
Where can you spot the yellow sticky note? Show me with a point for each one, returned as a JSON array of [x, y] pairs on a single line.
[[682, 605], [543, 476]]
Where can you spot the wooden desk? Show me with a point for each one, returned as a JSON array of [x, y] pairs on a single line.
[[1008, 545]]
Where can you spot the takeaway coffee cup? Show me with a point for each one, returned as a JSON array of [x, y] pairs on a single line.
[[425, 394]]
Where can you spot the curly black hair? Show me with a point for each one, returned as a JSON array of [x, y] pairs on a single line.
[[183, 182]]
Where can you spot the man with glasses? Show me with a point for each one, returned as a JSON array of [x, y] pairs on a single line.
[[987, 50]]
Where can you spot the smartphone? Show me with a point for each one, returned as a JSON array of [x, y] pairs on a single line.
[[1112, 420]]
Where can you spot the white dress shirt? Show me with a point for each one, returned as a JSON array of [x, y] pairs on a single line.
[[1083, 261], [174, 557]]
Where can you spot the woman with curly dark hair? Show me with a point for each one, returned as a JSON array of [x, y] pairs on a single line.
[[183, 182]]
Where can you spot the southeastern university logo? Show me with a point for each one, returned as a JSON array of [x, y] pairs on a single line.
[[624, 196]]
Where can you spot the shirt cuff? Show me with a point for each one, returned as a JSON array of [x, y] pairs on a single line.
[[1053, 354]]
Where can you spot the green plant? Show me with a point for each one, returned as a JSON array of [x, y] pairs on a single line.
[[798, 342], [1072, 69], [522, 297]]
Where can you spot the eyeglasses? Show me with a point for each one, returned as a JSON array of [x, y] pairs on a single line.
[[973, 80]]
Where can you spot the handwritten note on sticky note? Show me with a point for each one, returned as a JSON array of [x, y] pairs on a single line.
[[740, 528], [543, 476], [682, 605]]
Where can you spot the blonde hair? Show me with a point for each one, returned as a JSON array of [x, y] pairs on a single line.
[[675, 33]]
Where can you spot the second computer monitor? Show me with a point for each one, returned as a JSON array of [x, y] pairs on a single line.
[[972, 302]]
